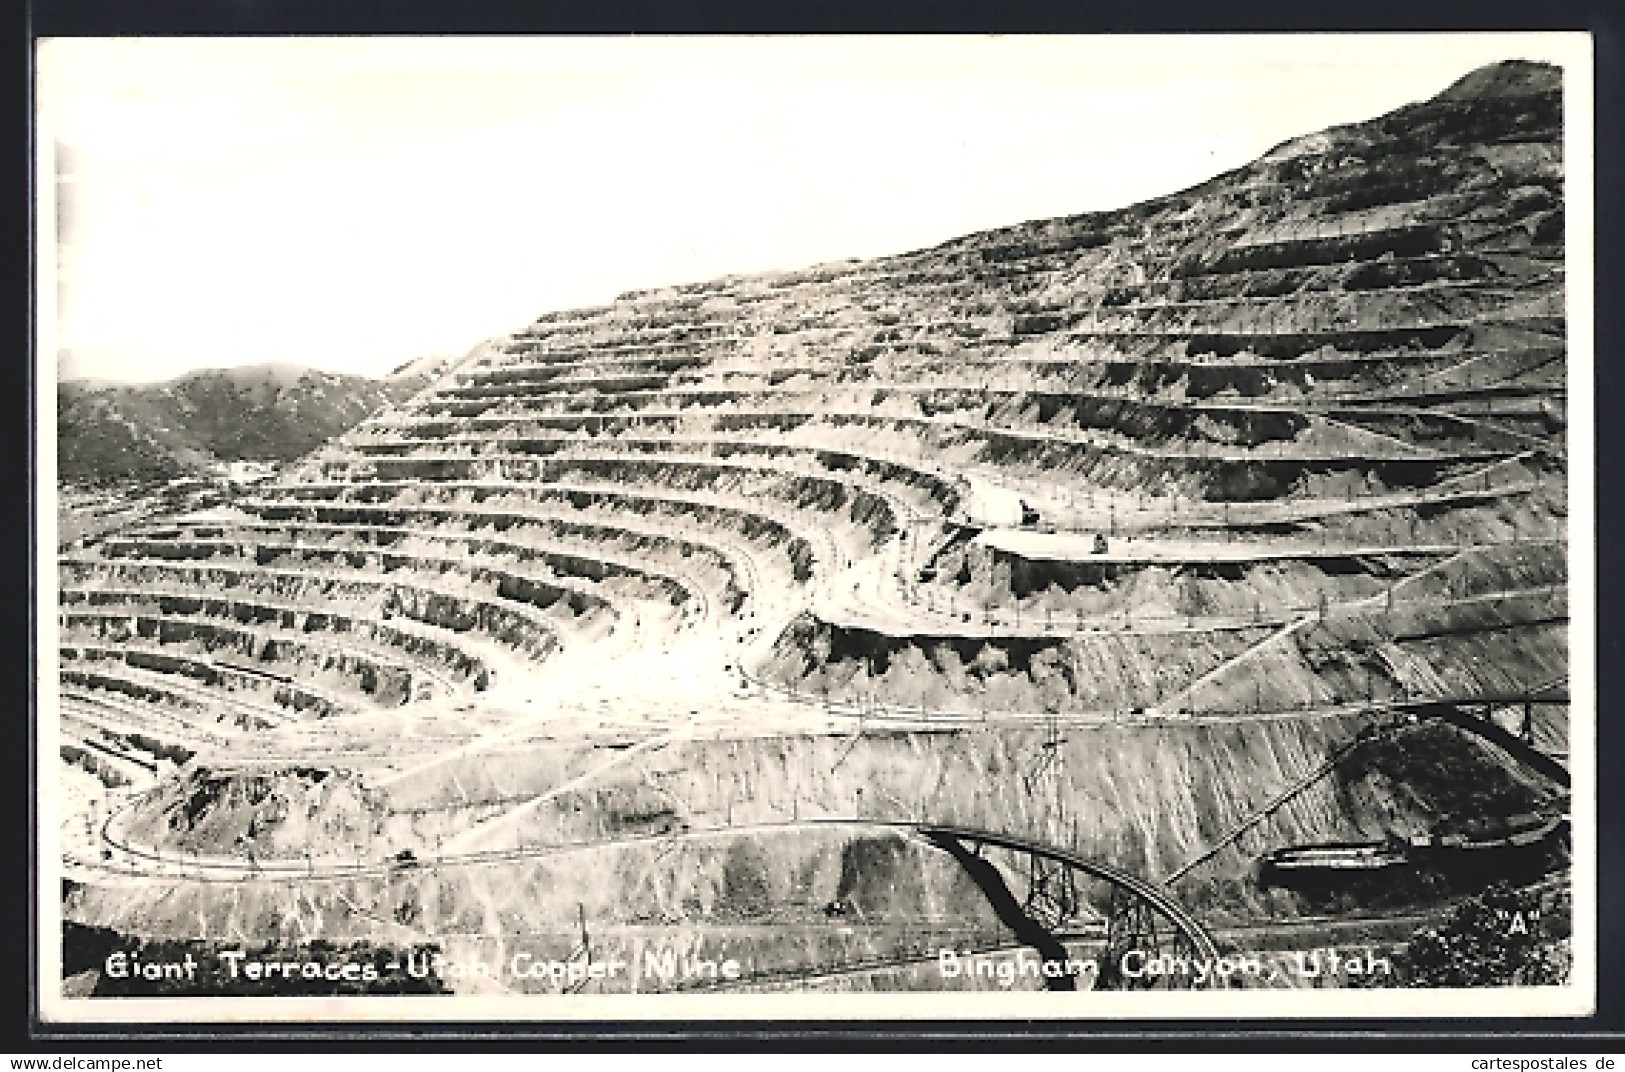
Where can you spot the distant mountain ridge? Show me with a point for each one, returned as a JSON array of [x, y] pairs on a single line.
[[272, 412]]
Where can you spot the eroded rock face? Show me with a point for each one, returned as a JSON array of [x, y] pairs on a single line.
[[1218, 479], [268, 814]]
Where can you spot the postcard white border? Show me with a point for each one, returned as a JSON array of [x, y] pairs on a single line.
[[1574, 51]]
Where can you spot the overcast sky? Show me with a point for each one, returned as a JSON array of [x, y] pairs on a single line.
[[353, 203]]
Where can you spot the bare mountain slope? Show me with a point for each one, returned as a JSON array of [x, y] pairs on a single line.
[[271, 412]]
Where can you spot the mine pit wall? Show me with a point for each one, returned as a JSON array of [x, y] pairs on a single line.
[[1435, 431], [351, 673], [525, 534], [1504, 514], [1263, 480], [1147, 799], [1143, 424], [979, 576], [1500, 645], [1412, 241], [1136, 466], [285, 618], [562, 565], [1287, 345], [173, 702], [721, 898], [1508, 658], [80, 662], [1504, 568], [1548, 729], [1311, 280], [1491, 648], [1215, 479], [481, 779], [519, 632], [971, 674], [328, 816], [825, 496], [521, 629], [597, 505], [142, 747], [942, 494], [1143, 421], [523, 545], [1203, 380]]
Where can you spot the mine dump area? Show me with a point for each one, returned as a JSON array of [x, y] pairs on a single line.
[[1188, 578]]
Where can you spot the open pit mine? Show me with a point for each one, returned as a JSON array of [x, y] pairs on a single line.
[[1185, 580]]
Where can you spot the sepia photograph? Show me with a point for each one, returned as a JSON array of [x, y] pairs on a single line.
[[808, 528]]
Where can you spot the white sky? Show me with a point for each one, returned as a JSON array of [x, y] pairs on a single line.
[[353, 203]]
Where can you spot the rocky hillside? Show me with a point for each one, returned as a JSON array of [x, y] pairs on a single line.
[[271, 412]]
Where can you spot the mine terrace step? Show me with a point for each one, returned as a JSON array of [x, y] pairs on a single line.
[[376, 538], [1277, 452], [580, 595], [365, 655], [296, 616], [209, 670], [507, 611], [502, 551]]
